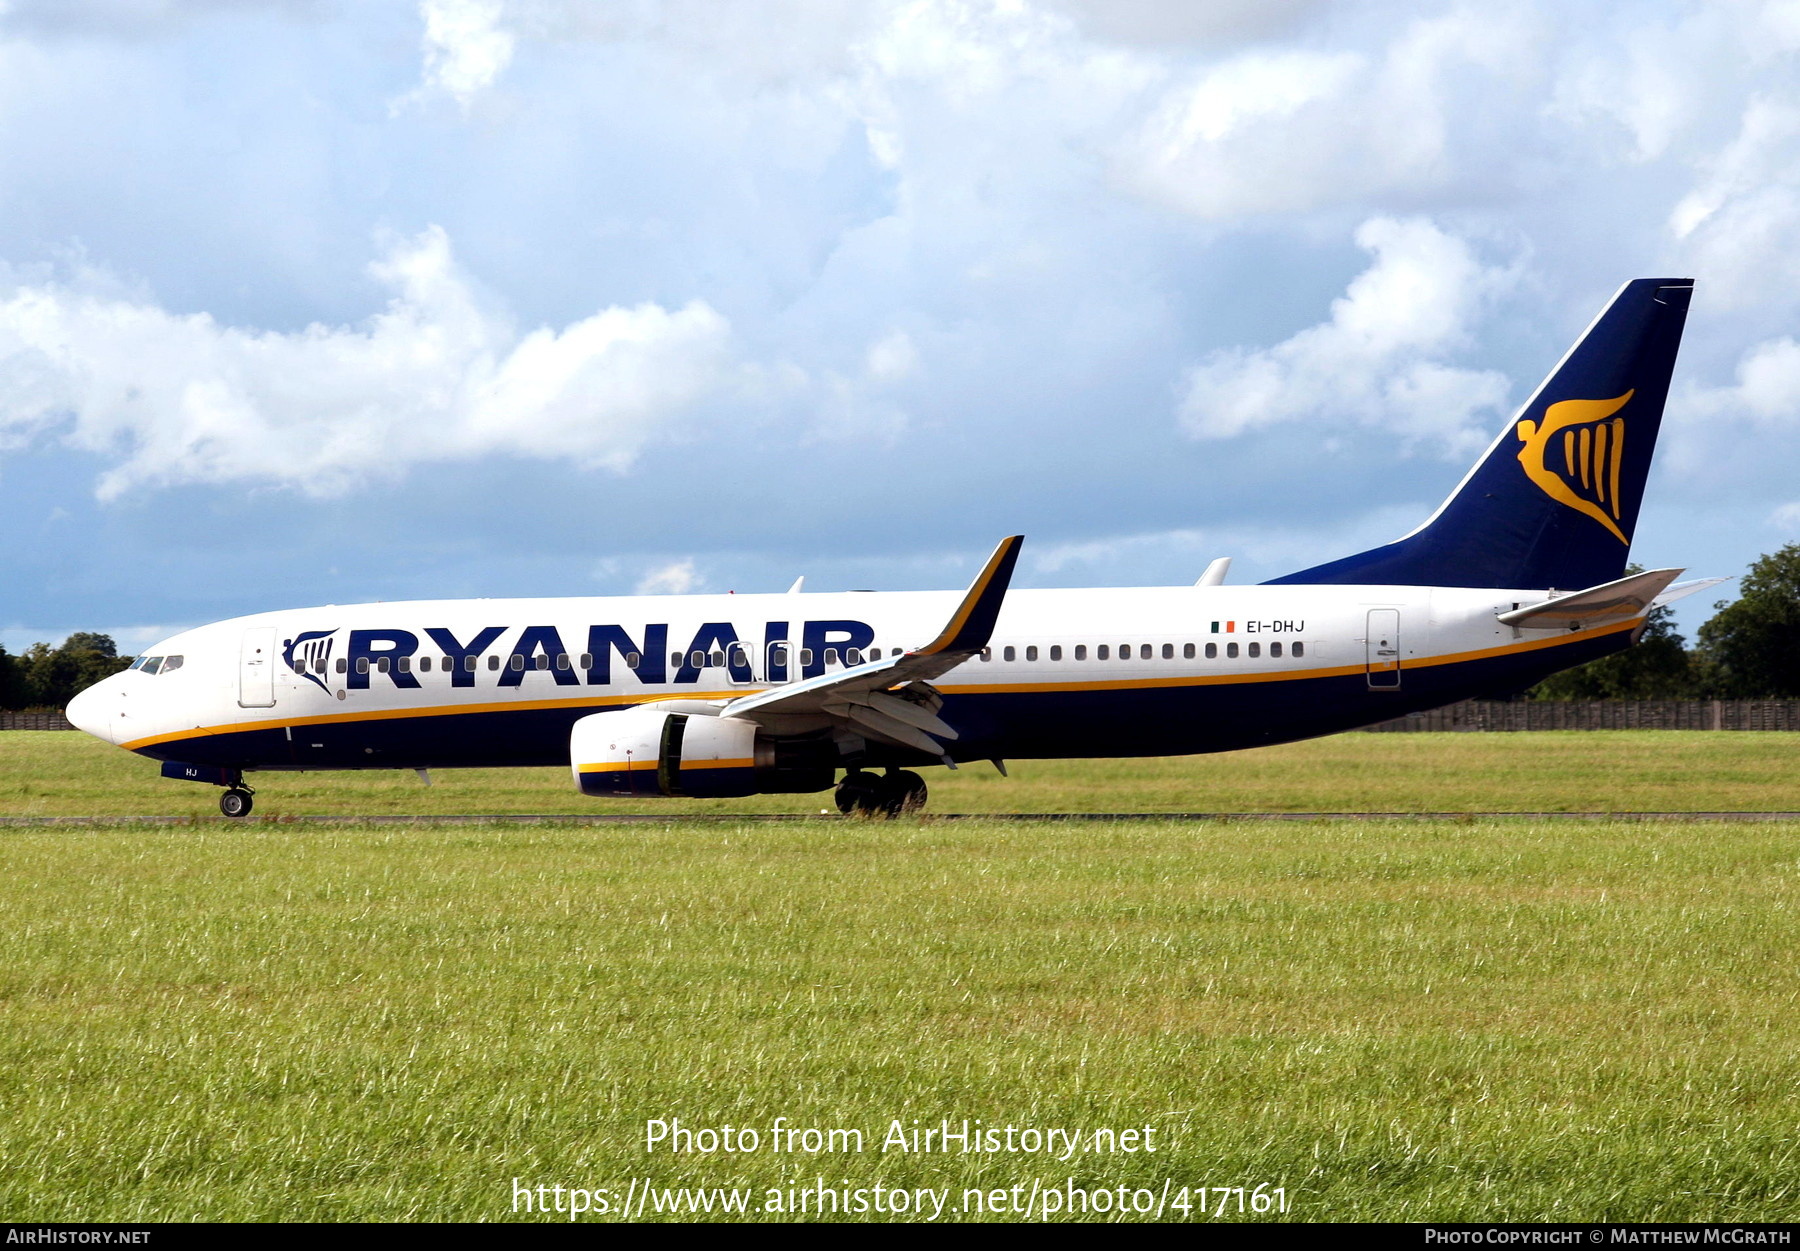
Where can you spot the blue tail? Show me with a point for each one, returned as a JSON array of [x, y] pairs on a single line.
[[1554, 501]]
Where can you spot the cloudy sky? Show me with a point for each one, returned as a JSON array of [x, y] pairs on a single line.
[[311, 301]]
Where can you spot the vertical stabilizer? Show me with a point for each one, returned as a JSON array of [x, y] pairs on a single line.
[[1554, 501]]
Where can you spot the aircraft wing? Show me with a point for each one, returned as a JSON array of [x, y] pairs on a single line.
[[890, 698], [1606, 604]]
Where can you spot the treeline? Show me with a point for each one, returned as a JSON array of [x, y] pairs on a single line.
[[47, 678], [1750, 649]]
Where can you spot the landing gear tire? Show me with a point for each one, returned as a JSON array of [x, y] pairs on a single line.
[[235, 802], [909, 790], [863, 794]]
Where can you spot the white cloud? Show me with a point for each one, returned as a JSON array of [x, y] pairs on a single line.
[[892, 357], [439, 375], [1767, 389], [1285, 129], [675, 578], [1786, 518], [1741, 222], [466, 48], [1380, 358]]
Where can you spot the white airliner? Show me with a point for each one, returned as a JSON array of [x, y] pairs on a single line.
[[1520, 573]]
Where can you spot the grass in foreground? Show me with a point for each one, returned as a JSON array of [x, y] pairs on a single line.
[[69, 774], [1397, 1021]]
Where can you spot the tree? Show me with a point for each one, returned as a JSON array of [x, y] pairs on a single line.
[[12, 682], [1658, 666], [1751, 647], [82, 641], [46, 677]]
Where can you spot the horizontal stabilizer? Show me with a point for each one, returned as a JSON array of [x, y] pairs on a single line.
[[1681, 590], [1606, 604]]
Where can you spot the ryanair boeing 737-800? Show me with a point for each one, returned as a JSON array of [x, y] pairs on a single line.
[[1520, 573]]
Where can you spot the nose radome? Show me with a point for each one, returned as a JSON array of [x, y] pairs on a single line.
[[91, 710]]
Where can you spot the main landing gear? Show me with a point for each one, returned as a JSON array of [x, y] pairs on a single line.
[[236, 801], [863, 794]]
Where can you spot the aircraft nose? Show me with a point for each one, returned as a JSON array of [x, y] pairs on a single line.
[[91, 710]]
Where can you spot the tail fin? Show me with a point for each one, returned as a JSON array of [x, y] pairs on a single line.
[[1554, 501]]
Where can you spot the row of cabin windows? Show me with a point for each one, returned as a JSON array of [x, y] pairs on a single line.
[[1145, 651], [740, 657]]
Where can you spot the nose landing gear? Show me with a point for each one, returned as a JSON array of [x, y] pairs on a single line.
[[863, 794]]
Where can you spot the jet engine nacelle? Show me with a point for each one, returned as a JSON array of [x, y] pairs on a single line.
[[651, 751]]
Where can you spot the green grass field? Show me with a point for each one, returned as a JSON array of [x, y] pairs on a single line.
[[1395, 1020], [66, 774]]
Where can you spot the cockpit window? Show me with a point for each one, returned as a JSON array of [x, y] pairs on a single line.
[[157, 664], [171, 663]]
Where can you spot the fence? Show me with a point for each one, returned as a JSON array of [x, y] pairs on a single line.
[[1603, 714], [34, 721], [1473, 715]]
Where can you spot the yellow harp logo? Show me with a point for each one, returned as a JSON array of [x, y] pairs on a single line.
[[1574, 456]]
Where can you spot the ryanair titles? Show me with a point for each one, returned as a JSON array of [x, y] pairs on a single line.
[[584, 656]]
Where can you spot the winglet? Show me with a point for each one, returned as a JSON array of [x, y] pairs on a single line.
[[973, 622]]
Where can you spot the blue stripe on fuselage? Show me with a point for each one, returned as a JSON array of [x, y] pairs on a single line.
[[1021, 725]]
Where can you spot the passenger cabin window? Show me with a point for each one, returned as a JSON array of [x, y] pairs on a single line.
[[517, 663], [1168, 651], [362, 664], [562, 660], [805, 656], [718, 659], [1056, 651], [1299, 649], [468, 664], [1081, 651], [1187, 651], [405, 664], [384, 664], [1009, 654], [632, 661], [1275, 650], [1231, 651], [1255, 650], [1031, 653], [319, 665], [674, 660], [424, 664], [987, 654], [587, 660], [342, 664], [1144, 652], [1212, 651], [493, 662], [1101, 652], [1124, 651], [852, 656]]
